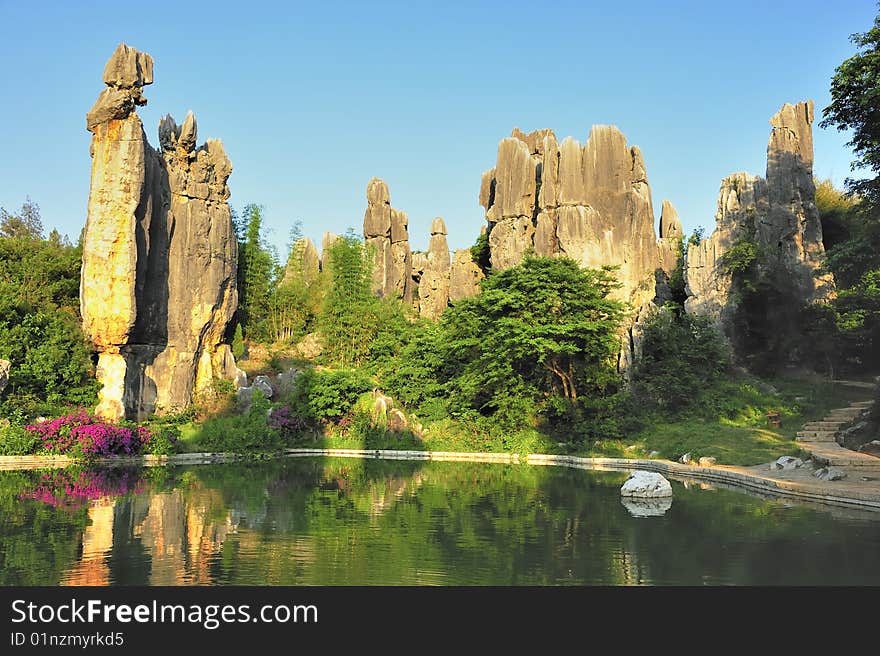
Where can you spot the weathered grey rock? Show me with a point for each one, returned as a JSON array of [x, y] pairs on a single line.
[[286, 381], [872, 448], [670, 223], [686, 459], [327, 241], [464, 276], [264, 384], [830, 474], [780, 211], [158, 283], [397, 422], [5, 368], [433, 293], [387, 239], [310, 346], [654, 454], [646, 484], [641, 507], [786, 463], [593, 205], [304, 262]]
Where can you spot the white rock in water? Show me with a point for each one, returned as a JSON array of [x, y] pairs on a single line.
[[786, 462], [647, 507], [647, 485]]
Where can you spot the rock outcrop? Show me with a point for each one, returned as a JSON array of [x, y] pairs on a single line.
[[778, 212], [464, 276], [386, 237], [304, 262], [158, 285], [591, 203], [668, 251], [5, 368]]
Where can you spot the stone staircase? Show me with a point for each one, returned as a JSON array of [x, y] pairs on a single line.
[[820, 439]]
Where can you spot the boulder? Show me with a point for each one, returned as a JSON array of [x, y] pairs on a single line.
[[686, 459], [310, 346], [830, 474], [264, 384], [646, 484], [786, 463], [397, 422], [707, 461], [871, 448]]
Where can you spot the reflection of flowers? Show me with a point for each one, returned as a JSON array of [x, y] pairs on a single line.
[[74, 489], [79, 433]]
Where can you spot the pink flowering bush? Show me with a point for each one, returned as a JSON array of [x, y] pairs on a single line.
[[81, 435]]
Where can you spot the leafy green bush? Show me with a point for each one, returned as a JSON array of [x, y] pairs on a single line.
[[681, 356], [164, 440], [248, 432], [329, 395], [17, 441]]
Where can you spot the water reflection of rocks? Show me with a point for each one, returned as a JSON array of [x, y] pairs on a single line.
[[642, 507]]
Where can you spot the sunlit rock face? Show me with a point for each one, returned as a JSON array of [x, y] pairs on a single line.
[[779, 211], [591, 203], [387, 239], [158, 287]]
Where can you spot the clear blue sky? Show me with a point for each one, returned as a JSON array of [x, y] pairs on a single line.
[[313, 99]]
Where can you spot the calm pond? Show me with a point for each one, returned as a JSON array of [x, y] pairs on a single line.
[[328, 521]]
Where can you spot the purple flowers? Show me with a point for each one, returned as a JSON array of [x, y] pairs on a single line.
[[281, 420], [81, 434]]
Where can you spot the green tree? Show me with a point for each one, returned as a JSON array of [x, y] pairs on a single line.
[[256, 273], [681, 354], [25, 224], [40, 330], [855, 260], [349, 314], [540, 335]]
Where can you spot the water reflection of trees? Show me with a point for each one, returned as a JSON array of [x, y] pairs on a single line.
[[347, 521]]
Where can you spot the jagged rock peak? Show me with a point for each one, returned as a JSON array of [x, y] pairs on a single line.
[[182, 137], [438, 226], [128, 68], [670, 224], [125, 74]]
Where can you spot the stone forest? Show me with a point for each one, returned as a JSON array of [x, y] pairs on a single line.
[[170, 387]]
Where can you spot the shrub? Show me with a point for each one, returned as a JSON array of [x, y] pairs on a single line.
[[81, 435], [325, 396], [17, 441]]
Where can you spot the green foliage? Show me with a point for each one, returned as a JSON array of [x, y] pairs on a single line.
[[348, 319], [164, 440], [256, 267], [480, 252], [855, 106], [696, 236], [681, 355], [329, 395], [244, 433], [26, 224], [16, 441], [676, 279], [858, 319], [544, 330], [40, 330], [238, 343], [835, 213]]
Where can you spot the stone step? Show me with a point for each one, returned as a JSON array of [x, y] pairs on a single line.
[[851, 412], [824, 425], [861, 404], [834, 455], [816, 436]]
